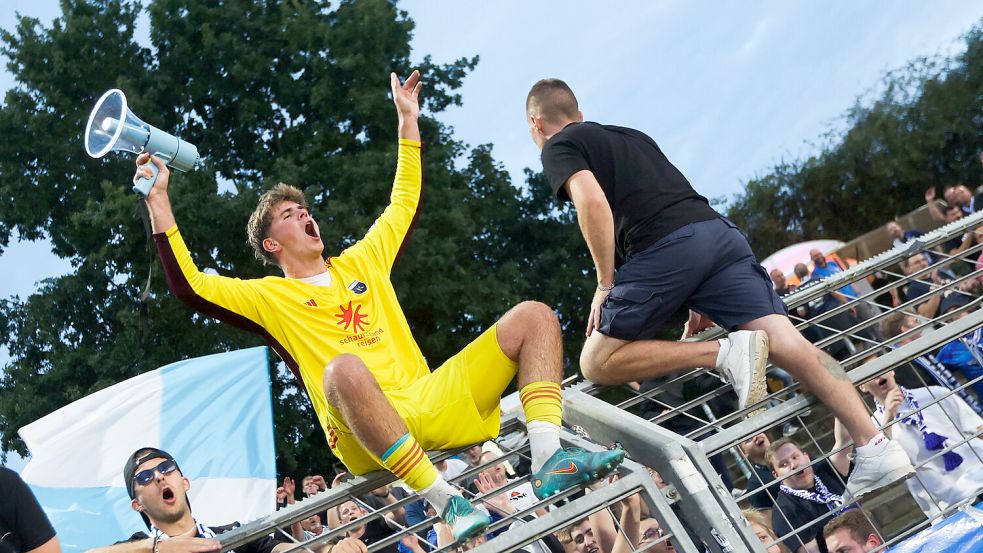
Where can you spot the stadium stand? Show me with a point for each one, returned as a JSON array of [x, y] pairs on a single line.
[[690, 500]]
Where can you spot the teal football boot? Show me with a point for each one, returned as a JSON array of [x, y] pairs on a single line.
[[574, 466], [465, 521]]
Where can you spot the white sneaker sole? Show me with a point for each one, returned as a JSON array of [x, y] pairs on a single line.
[[885, 479]]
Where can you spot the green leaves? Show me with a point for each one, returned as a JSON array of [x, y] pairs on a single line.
[[269, 91], [923, 130]]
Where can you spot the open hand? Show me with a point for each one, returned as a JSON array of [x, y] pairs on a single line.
[[406, 96]]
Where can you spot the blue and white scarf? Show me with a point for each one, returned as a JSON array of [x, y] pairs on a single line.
[[203, 532], [933, 441], [822, 495]]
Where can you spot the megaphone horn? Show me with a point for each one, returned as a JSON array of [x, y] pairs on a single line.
[[113, 127]]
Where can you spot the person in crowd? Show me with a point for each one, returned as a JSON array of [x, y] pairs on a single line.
[[338, 325], [24, 528], [925, 369], [860, 311], [640, 216], [931, 420], [801, 271], [899, 235], [808, 492], [852, 532], [963, 355], [158, 492], [924, 283], [374, 530], [761, 524], [755, 449], [508, 503], [955, 196], [313, 527], [285, 495], [782, 287], [831, 324], [582, 534]]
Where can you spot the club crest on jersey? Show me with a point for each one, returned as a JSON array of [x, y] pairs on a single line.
[[358, 287]]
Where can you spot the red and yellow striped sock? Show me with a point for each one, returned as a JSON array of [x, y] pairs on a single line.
[[542, 401], [407, 460]]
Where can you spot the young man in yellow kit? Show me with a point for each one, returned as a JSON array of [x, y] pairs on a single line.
[[338, 325]]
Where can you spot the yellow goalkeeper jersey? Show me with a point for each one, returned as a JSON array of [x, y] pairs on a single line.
[[308, 325]]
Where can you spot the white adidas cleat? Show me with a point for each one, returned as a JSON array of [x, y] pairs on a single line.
[[878, 468], [744, 365]]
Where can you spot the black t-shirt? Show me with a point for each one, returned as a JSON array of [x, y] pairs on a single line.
[[800, 512], [648, 196], [760, 476], [23, 525], [377, 530], [264, 544]]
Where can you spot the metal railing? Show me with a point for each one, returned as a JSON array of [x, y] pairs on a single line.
[[695, 508]]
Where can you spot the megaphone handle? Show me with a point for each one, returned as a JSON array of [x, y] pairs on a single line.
[[142, 185]]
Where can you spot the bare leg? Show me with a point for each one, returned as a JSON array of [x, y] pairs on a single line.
[[530, 335], [350, 387], [818, 372], [609, 361]]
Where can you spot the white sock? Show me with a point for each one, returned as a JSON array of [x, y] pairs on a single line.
[[875, 446], [544, 440], [724, 350], [438, 494]]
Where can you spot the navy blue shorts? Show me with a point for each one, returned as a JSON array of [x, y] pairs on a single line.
[[706, 266]]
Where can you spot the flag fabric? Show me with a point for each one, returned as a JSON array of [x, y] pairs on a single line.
[[214, 414]]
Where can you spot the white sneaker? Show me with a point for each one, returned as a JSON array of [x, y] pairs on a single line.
[[873, 470], [744, 365]]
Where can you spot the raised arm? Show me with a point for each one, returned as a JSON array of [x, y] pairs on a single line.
[[933, 205], [385, 239], [597, 225], [232, 300]]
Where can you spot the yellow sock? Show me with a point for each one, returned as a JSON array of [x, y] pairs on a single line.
[[407, 460], [542, 401]]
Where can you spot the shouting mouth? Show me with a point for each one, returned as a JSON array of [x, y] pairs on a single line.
[[168, 496], [311, 230]]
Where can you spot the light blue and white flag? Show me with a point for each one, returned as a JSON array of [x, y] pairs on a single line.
[[214, 414]]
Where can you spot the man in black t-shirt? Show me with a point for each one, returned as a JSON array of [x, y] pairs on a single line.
[[640, 216], [24, 528]]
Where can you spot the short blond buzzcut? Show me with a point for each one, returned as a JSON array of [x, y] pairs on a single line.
[[258, 227], [552, 100], [775, 446], [856, 524]]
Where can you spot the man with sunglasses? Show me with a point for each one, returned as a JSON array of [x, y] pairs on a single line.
[[158, 491]]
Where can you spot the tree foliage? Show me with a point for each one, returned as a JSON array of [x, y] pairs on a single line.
[[287, 90], [925, 129]]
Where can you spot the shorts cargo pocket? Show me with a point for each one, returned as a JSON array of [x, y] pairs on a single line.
[[629, 311]]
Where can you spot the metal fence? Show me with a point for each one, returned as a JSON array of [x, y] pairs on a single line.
[[704, 477]]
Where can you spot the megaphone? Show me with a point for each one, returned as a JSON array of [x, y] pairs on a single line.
[[113, 127]]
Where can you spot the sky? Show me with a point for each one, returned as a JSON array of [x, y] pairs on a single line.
[[727, 89]]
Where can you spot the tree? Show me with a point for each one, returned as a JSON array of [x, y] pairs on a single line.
[[923, 130], [269, 91]]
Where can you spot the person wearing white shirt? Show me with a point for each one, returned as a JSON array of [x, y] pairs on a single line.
[[947, 479]]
